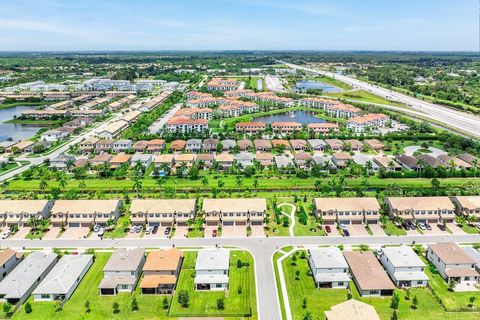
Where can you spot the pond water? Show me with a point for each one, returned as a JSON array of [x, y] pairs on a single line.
[[303, 117], [16, 131], [304, 85]]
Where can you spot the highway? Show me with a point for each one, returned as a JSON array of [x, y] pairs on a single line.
[[262, 250], [462, 122]]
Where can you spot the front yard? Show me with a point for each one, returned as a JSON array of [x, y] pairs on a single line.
[[302, 286], [240, 299]]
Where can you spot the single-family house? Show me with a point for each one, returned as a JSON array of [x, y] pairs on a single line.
[[329, 268], [160, 271], [212, 269]]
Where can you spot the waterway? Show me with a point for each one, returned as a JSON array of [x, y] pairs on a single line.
[[304, 85], [303, 117], [16, 131]]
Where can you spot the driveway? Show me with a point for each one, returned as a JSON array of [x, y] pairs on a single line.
[[412, 232], [455, 229], [357, 230], [75, 233], [208, 231], [180, 232], [52, 233], [160, 234], [258, 231], [133, 235], [234, 231], [377, 229], [21, 233], [435, 230]]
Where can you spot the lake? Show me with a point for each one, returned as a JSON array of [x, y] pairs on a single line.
[[303, 117], [304, 85], [16, 131]]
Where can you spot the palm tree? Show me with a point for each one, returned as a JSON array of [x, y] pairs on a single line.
[[82, 185], [105, 169], [63, 182], [69, 163], [421, 165], [474, 163], [204, 181], [255, 182], [220, 183], [43, 184], [318, 185], [137, 185]]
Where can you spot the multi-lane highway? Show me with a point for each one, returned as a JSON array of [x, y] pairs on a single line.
[[459, 121], [262, 250]]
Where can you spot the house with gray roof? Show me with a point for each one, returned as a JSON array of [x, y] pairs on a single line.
[[145, 159], [122, 145], [228, 144], [122, 271], [193, 145], [362, 160], [61, 161], [329, 267], [403, 266], [283, 161], [244, 159], [64, 278], [212, 269], [317, 144], [20, 283]]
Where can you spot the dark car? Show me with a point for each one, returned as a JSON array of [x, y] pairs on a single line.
[[406, 226], [346, 233], [441, 227], [428, 226], [155, 229], [167, 230], [412, 226], [328, 229]]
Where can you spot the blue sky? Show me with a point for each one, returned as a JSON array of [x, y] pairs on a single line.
[[239, 25]]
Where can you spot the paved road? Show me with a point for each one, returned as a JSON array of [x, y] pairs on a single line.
[[262, 250], [158, 125], [460, 121]]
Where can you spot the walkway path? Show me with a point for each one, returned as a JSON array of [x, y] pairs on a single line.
[[291, 216]]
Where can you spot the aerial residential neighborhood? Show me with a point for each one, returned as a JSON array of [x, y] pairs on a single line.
[[263, 160]]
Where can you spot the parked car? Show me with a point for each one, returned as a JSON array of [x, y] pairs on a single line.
[[6, 234], [96, 228], [155, 229], [346, 233], [343, 227], [412, 226], [167, 230], [214, 233], [428, 226], [441, 227], [328, 229], [422, 226], [138, 229], [101, 232], [477, 225], [406, 226], [148, 230], [133, 229]]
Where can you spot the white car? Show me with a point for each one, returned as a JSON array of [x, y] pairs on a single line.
[[132, 229], [343, 227], [148, 230], [96, 228], [101, 232], [6, 234], [477, 225], [421, 225]]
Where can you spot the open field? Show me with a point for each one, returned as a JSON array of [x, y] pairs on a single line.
[[363, 96]]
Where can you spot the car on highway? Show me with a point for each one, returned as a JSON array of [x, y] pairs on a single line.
[[441, 227], [328, 229]]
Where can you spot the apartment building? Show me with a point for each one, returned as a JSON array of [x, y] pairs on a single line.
[[421, 209], [347, 210], [19, 212], [162, 212], [250, 127]]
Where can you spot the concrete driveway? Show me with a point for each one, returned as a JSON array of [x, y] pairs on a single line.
[[455, 229], [357, 230], [258, 231], [208, 231], [52, 233], [435, 230], [133, 235], [234, 231], [75, 233], [159, 235], [21, 233], [180, 232], [377, 229]]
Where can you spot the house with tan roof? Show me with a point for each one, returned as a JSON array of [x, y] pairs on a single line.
[[235, 212], [467, 206], [262, 145], [250, 127], [225, 160], [334, 144], [421, 209], [264, 158], [347, 210], [156, 145], [88, 144], [19, 212], [453, 263], [341, 159], [178, 145], [352, 310], [122, 271], [119, 160], [299, 144], [162, 212], [113, 129], [286, 127], [387, 163], [9, 259], [101, 159], [160, 271], [84, 213], [323, 128], [352, 145], [374, 144], [368, 274], [164, 159]]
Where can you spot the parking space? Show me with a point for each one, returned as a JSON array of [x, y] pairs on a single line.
[[234, 231], [412, 232], [435, 230], [75, 233], [455, 229], [333, 231], [180, 232], [52, 233], [258, 231], [209, 230], [377, 229], [357, 230], [21, 233], [132, 235], [159, 234]]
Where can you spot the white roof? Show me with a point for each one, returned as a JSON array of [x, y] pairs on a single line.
[[331, 277], [64, 275], [213, 259], [402, 256], [211, 278], [410, 275], [473, 253], [24, 276], [330, 257]]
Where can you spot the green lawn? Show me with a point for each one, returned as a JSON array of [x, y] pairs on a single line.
[[392, 230], [35, 122], [120, 227], [150, 306], [8, 167], [320, 300], [312, 228], [253, 83], [272, 228], [334, 82], [203, 303], [470, 229], [363, 96]]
